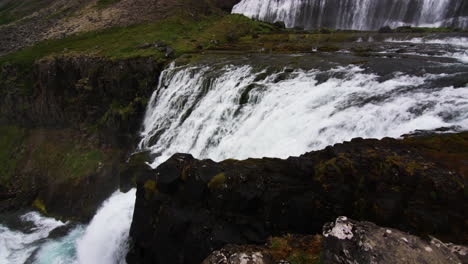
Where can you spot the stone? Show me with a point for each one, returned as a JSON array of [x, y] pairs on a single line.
[[144, 46], [349, 241], [169, 52], [190, 208], [386, 29]]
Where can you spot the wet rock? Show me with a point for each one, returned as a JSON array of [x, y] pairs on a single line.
[[280, 24], [349, 241], [135, 168], [169, 52], [190, 208], [386, 29]]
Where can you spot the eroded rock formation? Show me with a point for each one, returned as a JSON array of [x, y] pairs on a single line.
[[189, 208]]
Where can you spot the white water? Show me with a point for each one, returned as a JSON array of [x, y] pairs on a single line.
[[356, 14], [105, 238], [458, 44], [454, 41], [103, 241], [196, 110], [292, 116], [16, 247]]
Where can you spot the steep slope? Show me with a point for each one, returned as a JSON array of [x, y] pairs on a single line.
[[37, 20]]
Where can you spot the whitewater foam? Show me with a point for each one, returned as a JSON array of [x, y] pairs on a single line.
[[356, 14], [290, 116], [17, 246], [105, 240]]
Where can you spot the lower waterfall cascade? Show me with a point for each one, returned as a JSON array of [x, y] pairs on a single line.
[[234, 109], [357, 14]]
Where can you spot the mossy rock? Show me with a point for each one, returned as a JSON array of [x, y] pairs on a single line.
[[218, 181], [328, 48]]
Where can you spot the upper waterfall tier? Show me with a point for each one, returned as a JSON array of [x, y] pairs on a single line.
[[358, 14]]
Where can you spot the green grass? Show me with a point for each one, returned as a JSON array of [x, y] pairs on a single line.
[[180, 33], [105, 3], [79, 163], [16, 9], [65, 159]]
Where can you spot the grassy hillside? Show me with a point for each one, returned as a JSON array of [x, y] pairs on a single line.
[[12, 10], [178, 32]]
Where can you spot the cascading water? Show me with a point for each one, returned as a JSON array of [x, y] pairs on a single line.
[[240, 113], [357, 14], [239, 107]]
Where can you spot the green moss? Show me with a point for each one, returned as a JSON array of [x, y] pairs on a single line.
[[151, 189], [105, 3], [301, 257], [15, 10], [218, 181], [339, 165], [295, 249], [39, 205], [79, 163], [176, 31], [328, 48]]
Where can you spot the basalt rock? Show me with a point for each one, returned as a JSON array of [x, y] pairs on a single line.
[[81, 116], [80, 93], [344, 241], [349, 241], [189, 208]]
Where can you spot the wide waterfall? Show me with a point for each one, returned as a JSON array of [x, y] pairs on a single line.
[[358, 14], [237, 106]]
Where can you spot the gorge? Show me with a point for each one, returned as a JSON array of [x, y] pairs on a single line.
[[271, 122]]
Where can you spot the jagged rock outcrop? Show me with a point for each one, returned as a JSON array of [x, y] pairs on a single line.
[[71, 121], [344, 241], [349, 241], [82, 92], [188, 208]]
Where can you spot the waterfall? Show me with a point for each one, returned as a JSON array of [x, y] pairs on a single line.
[[241, 112], [357, 14], [240, 107]]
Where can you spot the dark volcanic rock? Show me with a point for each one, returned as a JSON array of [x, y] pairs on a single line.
[[348, 241], [189, 208], [136, 167], [78, 92]]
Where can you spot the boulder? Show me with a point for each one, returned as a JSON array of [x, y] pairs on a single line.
[[189, 208], [349, 241], [386, 29]]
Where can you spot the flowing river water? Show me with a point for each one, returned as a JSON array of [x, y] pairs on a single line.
[[238, 106]]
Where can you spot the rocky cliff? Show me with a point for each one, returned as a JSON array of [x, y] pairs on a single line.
[[67, 124], [344, 241], [186, 208]]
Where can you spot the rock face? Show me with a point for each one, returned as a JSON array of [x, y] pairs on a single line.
[[189, 208], [66, 126], [80, 92], [344, 241], [348, 241]]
